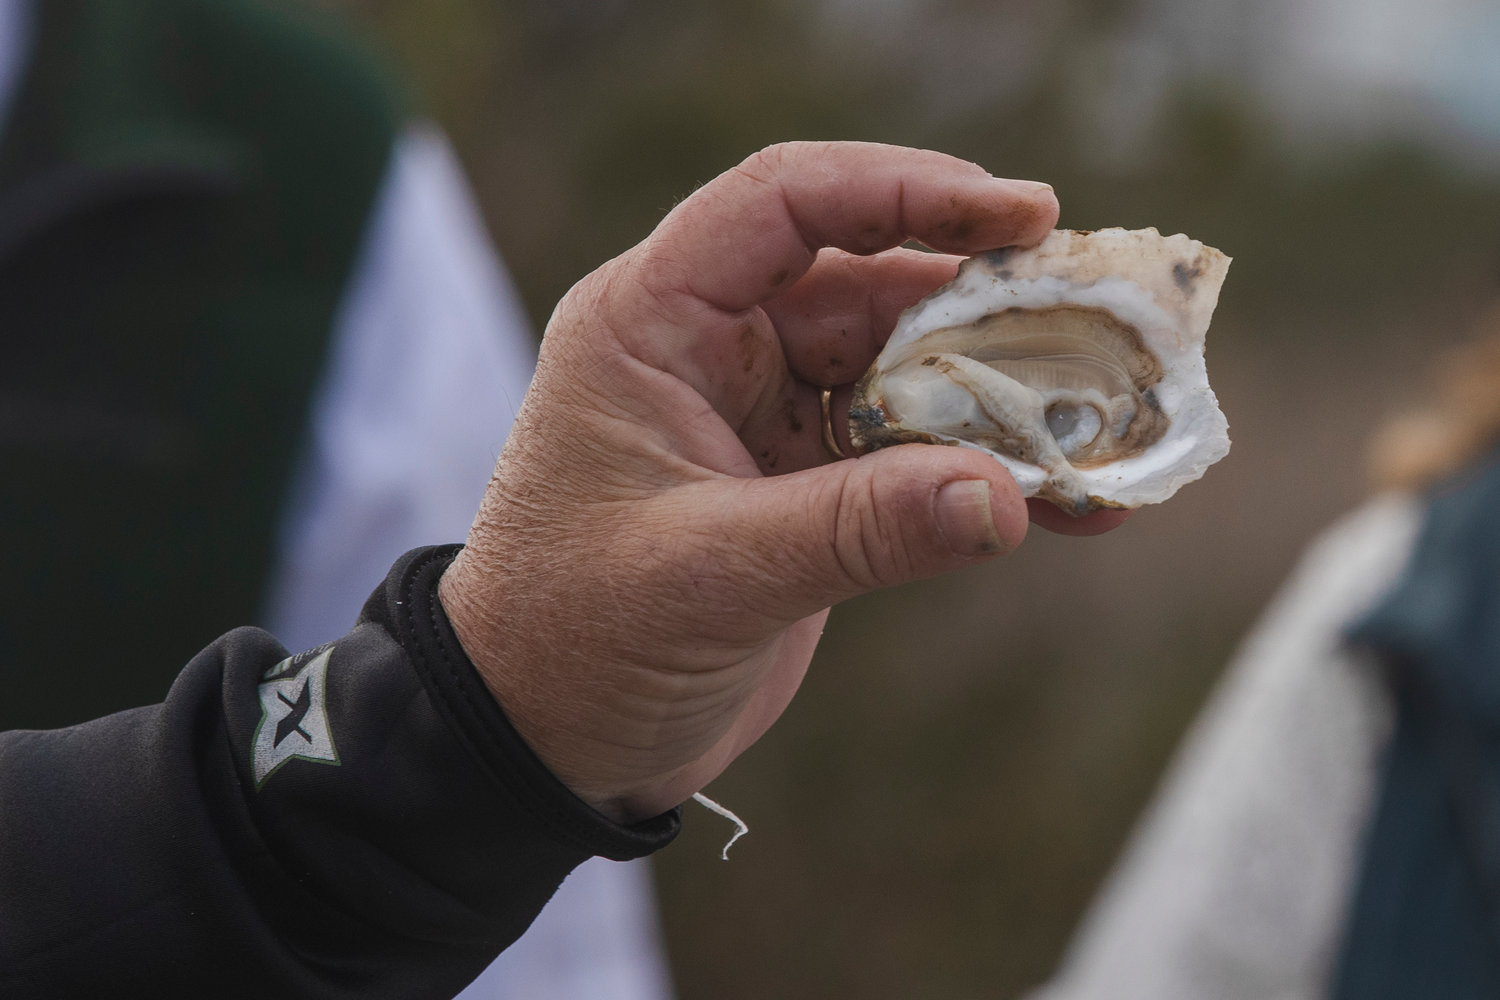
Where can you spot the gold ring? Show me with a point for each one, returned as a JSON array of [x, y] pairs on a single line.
[[830, 442]]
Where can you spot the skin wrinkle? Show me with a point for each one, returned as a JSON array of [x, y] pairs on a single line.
[[666, 309], [688, 364], [892, 532], [663, 699], [768, 365], [700, 585], [814, 508], [708, 591], [901, 220], [613, 409], [810, 245], [747, 168], [792, 269], [850, 548]]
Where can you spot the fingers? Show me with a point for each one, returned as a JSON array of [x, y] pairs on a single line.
[[795, 544], [836, 318], [829, 327], [1050, 517], [750, 233], [682, 301]]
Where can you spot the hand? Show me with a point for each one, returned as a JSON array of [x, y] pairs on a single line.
[[655, 556]]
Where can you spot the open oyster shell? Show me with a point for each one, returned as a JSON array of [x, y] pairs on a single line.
[[1078, 363]]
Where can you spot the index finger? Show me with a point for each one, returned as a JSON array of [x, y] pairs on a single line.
[[743, 237]]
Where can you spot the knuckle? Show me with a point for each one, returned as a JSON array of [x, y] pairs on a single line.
[[870, 547], [764, 164], [778, 158]]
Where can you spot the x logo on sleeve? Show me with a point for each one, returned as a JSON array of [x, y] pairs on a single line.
[[294, 715]]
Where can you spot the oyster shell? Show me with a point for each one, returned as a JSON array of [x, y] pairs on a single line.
[[1078, 363]]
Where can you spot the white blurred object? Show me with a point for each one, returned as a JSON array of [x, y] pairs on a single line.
[[15, 30], [1235, 882], [430, 358], [596, 940]]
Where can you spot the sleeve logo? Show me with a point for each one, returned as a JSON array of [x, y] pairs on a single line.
[[294, 715]]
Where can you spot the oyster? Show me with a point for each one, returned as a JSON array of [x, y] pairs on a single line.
[[1078, 363]]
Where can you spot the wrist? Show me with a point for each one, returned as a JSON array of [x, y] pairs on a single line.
[[411, 610], [535, 712]]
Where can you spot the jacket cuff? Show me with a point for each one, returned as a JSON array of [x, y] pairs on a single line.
[[408, 607]]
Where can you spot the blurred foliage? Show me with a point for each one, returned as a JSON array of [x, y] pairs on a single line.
[[934, 811]]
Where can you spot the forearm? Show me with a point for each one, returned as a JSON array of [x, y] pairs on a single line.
[[393, 852]]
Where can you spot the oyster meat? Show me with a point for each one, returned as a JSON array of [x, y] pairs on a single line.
[[1078, 363]]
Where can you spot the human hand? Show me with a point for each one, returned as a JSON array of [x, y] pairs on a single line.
[[654, 559]]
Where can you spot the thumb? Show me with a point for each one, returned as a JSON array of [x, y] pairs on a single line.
[[801, 542]]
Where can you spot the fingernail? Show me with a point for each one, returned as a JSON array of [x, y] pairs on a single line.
[[965, 519], [1027, 187]]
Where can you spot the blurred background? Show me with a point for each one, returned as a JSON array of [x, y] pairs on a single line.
[[934, 812]]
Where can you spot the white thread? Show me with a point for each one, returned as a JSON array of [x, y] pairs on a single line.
[[740, 828]]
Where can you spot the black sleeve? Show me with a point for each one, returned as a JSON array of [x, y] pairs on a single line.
[[358, 820]]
